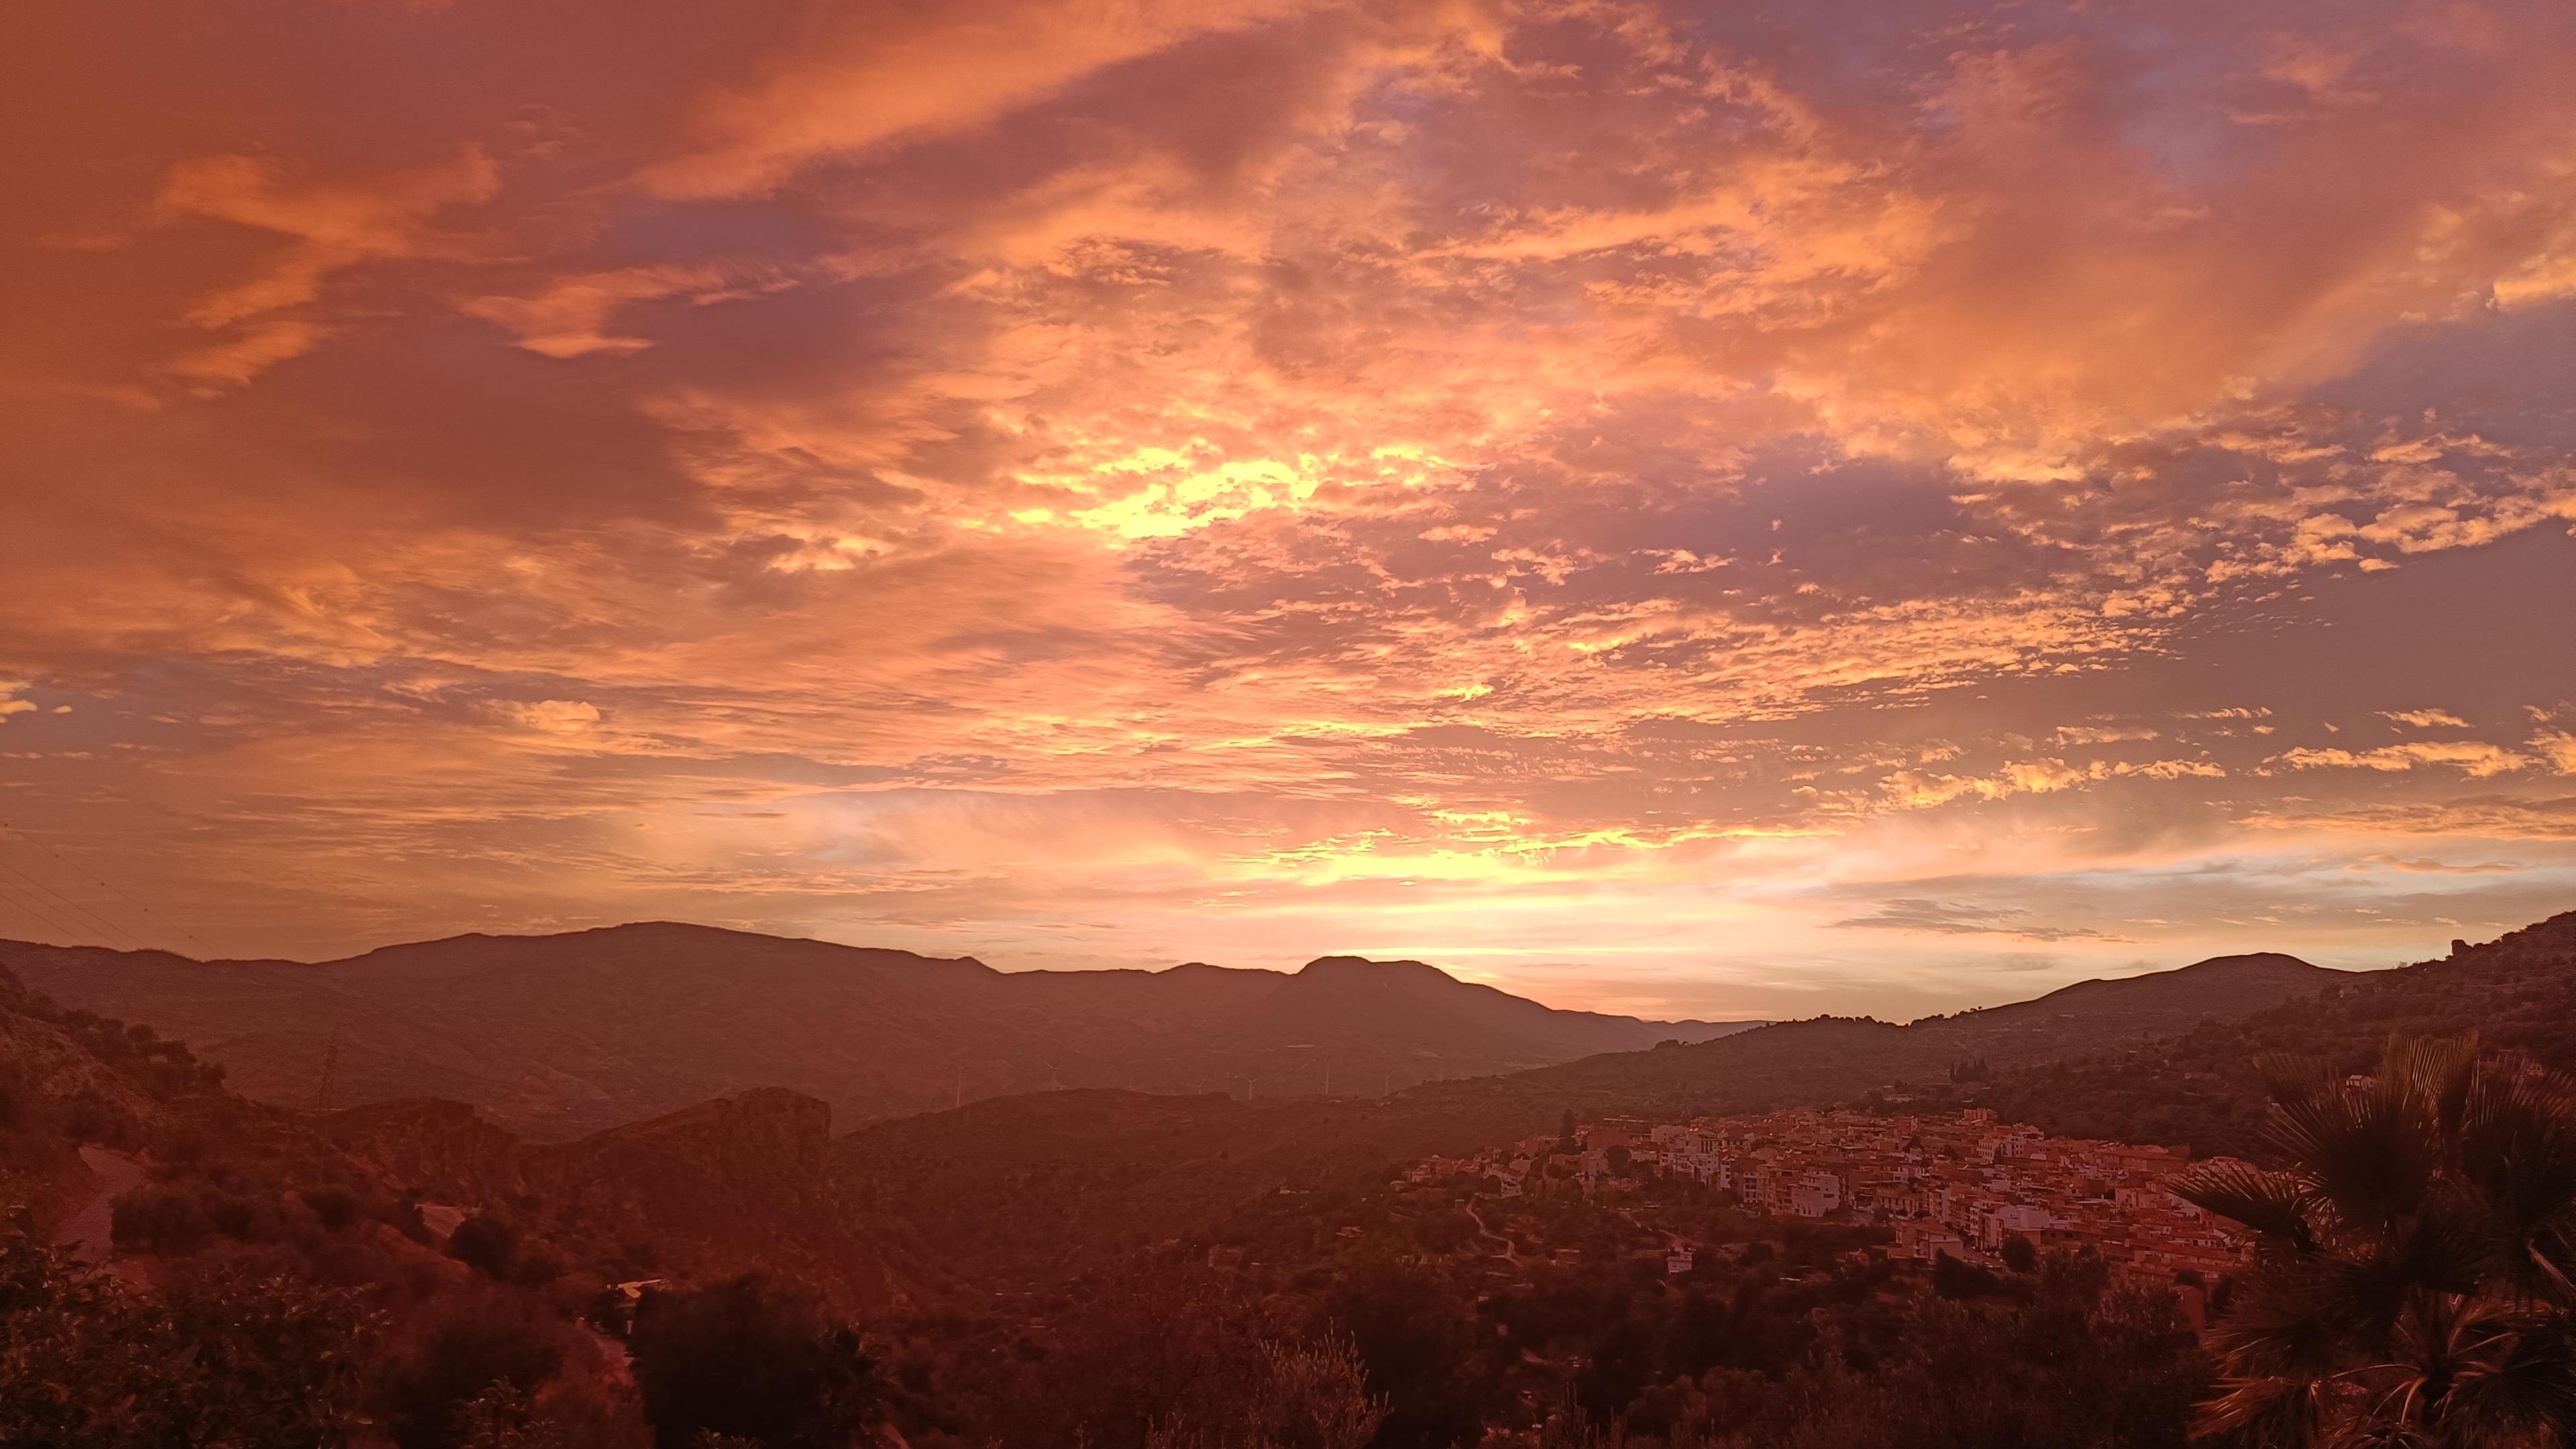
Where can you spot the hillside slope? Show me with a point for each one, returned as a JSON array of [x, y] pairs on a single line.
[[1826, 1060], [2202, 1088], [555, 1036], [1034, 1187], [724, 1187], [739, 1184]]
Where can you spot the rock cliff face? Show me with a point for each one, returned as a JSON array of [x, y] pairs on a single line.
[[446, 1149]]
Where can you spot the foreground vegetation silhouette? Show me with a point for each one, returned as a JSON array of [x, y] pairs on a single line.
[[2414, 1279]]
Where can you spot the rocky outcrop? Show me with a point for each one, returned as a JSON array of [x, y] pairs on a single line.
[[735, 1185], [446, 1150]]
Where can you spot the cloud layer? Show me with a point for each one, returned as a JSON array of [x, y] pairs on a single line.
[[1611, 496]]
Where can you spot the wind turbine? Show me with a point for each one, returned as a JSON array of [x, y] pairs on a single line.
[[1054, 1084]]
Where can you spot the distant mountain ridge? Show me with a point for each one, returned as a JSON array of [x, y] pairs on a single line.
[[1825, 1060], [2219, 986], [556, 1036], [2203, 1088]]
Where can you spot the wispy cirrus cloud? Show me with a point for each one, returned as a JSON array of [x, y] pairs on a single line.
[[1950, 919]]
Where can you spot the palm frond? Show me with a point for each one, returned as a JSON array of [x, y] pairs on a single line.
[[2273, 1411], [2514, 1380], [2274, 1205]]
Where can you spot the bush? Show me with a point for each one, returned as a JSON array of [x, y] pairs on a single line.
[[220, 1359], [485, 1243], [748, 1359], [1952, 1278], [159, 1217], [461, 1360], [335, 1208], [536, 1268], [88, 1117]]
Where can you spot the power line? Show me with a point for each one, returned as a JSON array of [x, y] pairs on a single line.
[[96, 922], [36, 909], [13, 829], [85, 921], [330, 1063]]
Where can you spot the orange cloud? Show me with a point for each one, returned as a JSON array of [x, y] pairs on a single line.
[[1627, 482], [332, 227]]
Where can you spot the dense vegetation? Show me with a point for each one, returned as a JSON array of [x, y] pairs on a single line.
[[2417, 1252], [1807, 1343]]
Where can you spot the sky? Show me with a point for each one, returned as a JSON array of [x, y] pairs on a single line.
[[1712, 510]]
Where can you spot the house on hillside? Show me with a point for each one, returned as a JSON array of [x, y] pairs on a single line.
[[1814, 1194]]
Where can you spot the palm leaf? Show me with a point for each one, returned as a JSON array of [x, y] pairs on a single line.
[[2274, 1205]]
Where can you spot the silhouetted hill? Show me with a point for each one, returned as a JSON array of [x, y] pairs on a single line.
[[1828, 1059], [2202, 1089], [557, 1035]]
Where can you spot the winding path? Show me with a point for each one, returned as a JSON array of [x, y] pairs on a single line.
[[1509, 1253], [86, 1232]]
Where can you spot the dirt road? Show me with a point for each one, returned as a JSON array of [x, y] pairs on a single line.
[[86, 1231]]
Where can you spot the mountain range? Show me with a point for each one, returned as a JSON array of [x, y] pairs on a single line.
[[555, 1036], [1831, 1059], [994, 1248], [1018, 1192], [683, 1037]]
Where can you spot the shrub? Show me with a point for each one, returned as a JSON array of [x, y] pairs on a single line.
[[749, 1359], [159, 1217], [334, 1207], [220, 1359], [485, 1243], [1952, 1278], [463, 1358]]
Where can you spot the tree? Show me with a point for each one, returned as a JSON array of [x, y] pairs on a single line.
[[1565, 1132], [748, 1359], [502, 1417], [1417, 1345], [1952, 1278], [218, 1359], [2414, 1255], [2020, 1254], [484, 1346], [484, 1242], [159, 1217], [1305, 1396]]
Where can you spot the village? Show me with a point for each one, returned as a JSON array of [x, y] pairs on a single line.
[[1962, 1186]]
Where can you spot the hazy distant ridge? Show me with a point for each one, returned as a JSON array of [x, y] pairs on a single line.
[[563, 1034]]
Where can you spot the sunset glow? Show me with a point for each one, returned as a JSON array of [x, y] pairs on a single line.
[[1877, 507]]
